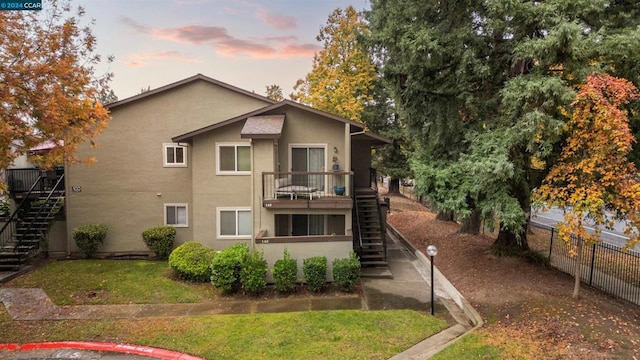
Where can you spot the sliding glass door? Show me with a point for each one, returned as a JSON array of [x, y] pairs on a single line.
[[308, 158]]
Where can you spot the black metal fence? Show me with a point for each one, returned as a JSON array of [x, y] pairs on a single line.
[[21, 180], [604, 266]]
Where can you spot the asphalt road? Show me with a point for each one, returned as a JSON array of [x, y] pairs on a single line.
[[553, 216]]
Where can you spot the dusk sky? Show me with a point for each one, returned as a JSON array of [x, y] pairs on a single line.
[[248, 44]]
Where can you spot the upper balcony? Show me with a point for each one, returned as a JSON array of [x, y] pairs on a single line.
[[319, 190], [20, 181]]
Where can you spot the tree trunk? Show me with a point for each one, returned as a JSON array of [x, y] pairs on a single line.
[[509, 242], [445, 216], [471, 225], [577, 270], [394, 186]]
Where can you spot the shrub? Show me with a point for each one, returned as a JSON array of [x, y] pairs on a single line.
[[315, 272], [253, 275], [160, 239], [89, 237], [285, 273], [226, 266], [192, 261], [346, 272]]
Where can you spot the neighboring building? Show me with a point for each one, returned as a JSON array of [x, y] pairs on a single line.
[[224, 165]]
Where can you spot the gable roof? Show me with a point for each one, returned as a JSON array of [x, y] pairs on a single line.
[[284, 103], [197, 77]]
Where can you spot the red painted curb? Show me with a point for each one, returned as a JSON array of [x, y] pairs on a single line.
[[96, 346]]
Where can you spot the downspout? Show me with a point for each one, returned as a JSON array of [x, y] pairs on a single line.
[[67, 207], [253, 200], [347, 160]]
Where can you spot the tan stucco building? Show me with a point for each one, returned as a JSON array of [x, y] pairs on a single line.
[[222, 165]]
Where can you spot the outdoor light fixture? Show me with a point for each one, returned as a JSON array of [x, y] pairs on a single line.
[[432, 251]]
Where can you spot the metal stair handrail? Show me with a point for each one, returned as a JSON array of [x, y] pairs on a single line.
[[10, 224], [359, 230], [383, 235], [39, 213]]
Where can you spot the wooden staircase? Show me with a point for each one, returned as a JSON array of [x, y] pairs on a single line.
[[371, 244], [23, 235]]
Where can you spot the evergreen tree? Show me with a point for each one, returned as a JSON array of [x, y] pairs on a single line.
[[481, 86], [274, 92]]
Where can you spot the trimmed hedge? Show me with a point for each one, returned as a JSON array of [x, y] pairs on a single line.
[[315, 272], [285, 273], [160, 239], [192, 261], [226, 266], [346, 272], [253, 275], [89, 237]]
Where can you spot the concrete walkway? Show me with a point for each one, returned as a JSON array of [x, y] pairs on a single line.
[[408, 288]]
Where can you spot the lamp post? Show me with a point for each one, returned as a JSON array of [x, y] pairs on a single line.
[[432, 251]]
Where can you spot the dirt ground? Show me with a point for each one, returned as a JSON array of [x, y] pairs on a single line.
[[527, 308]]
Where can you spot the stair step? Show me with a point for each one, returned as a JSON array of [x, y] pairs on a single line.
[[369, 244], [374, 263], [377, 255]]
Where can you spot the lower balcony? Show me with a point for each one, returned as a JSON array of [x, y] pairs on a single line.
[[263, 238], [302, 190]]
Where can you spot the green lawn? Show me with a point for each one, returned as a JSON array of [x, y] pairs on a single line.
[[296, 335], [114, 281]]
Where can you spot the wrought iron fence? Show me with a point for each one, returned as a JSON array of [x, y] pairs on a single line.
[[607, 267]]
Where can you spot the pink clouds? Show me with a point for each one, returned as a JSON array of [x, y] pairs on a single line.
[[277, 21], [228, 45], [280, 22], [136, 60], [193, 34]]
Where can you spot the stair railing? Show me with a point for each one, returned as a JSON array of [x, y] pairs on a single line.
[[9, 228], [358, 234], [42, 207], [383, 227], [373, 179]]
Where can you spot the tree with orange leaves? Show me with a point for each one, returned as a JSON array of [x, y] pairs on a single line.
[[593, 178], [49, 91]]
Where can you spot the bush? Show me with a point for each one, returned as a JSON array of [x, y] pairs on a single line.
[[346, 272], [89, 237], [315, 272], [160, 239], [226, 266], [285, 273], [253, 275], [192, 261]]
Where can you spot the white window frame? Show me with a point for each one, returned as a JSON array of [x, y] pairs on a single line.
[[235, 145], [236, 209], [186, 208], [308, 146], [165, 161]]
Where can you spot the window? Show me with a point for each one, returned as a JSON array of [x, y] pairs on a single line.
[[174, 155], [308, 158], [234, 159], [307, 224], [234, 223], [176, 215]]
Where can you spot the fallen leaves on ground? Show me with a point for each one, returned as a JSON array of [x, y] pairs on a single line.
[[528, 309]]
